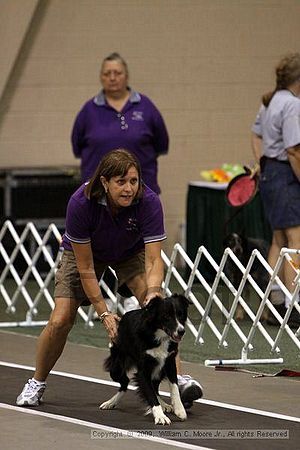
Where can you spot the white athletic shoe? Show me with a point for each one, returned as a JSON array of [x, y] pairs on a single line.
[[189, 390], [31, 394]]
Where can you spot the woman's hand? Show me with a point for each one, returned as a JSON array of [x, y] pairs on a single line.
[[111, 322], [151, 295]]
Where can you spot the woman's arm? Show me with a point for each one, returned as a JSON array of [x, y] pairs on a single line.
[[77, 135], [256, 144], [160, 133], [154, 268], [85, 265], [294, 159]]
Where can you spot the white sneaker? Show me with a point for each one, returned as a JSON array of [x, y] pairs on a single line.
[[189, 390], [31, 394], [130, 304]]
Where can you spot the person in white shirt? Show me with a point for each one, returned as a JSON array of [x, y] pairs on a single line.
[[276, 146]]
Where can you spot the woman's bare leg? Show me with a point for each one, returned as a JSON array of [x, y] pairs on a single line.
[[278, 241], [138, 286], [293, 241], [53, 338]]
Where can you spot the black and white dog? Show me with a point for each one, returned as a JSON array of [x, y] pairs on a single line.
[[147, 343]]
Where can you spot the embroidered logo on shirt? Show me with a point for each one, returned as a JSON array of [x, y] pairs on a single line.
[[137, 115], [132, 224]]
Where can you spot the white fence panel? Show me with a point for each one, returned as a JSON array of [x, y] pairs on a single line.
[[40, 246]]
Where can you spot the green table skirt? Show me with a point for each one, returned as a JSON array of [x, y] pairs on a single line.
[[209, 219]]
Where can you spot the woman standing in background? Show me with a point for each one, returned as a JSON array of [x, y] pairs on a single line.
[[119, 117], [276, 146]]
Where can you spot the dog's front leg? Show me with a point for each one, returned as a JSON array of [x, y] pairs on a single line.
[[171, 371], [167, 408], [147, 391], [159, 417], [178, 407]]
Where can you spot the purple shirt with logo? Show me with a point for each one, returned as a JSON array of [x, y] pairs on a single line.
[[113, 238], [139, 128]]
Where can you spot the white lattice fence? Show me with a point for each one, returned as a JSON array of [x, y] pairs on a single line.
[[230, 322], [40, 247]]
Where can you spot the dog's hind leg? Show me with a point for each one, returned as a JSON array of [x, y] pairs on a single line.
[[115, 400], [112, 402], [166, 407]]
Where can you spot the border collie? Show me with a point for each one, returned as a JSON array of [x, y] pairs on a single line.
[[147, 343]]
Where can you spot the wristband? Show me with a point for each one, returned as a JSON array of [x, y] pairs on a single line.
[[103, 315]]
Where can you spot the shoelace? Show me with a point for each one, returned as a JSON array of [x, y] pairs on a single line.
[[184, 379], [32, 386], [187, 377]]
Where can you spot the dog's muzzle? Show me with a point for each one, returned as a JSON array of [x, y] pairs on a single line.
[[178, 334]]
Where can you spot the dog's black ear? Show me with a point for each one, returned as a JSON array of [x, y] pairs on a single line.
[[153, 309], [183, 299], [153, 304]]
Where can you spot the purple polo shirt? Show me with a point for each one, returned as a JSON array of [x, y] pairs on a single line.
[[113, 239], [139, 128]]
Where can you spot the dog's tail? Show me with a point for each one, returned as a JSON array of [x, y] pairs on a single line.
[[107, 365], [114, 364], [110, 360]]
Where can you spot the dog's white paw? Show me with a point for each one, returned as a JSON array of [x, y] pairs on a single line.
[[180, 412], [159, 417], [107, 405], [178, 407], [112, 402], [166, 407]]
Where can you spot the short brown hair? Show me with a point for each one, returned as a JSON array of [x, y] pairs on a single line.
[[287, 72], [116, 163]]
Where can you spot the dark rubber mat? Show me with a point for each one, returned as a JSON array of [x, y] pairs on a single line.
[[80, 399]]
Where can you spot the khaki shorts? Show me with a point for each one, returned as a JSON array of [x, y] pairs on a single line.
[[67, 278]]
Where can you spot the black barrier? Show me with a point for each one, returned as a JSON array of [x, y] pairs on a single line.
[[34, 194], [38, 195]]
